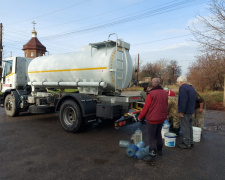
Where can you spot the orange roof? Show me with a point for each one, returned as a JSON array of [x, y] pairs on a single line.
[[34, 43]]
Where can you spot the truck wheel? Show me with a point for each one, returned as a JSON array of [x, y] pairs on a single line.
[[70, 116], [10, 106]]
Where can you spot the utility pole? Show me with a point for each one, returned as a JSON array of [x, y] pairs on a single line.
[[1, 49], [138, 71], [224, 92], [174, 73]]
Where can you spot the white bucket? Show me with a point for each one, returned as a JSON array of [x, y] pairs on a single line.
[[170, 139], [196, 134], [164, 130]]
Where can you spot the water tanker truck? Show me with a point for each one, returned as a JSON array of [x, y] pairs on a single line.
[[100, 71]]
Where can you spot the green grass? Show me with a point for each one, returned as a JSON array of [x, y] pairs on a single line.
[[208, 96], [174, 88], [212, 96], [134, 89]]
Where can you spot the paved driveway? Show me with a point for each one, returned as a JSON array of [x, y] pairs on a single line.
[[36, 147]]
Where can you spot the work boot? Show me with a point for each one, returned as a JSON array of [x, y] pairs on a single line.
[[150, 157], [159, 150], [159, 153], [183, 146], [192, 144]]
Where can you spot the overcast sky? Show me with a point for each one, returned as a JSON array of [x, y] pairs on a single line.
[[156, 29]]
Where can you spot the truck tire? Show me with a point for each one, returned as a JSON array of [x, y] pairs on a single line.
[[70, 116], [10, 106]]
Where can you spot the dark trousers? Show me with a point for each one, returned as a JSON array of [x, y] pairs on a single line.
[[154, 136], [187, 131]]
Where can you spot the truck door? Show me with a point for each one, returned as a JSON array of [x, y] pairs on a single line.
[[7, 75], [21, 74]]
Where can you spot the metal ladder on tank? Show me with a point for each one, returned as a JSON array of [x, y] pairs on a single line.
[[121, 60]]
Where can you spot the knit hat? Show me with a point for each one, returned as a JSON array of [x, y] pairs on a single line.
[[166, 88]]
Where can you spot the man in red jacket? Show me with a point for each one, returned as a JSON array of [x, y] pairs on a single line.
[[169, 92], [155, 113]]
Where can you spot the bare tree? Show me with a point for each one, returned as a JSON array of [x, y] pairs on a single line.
[[173, 71], [167, 70], [212, 36], [207, 72]]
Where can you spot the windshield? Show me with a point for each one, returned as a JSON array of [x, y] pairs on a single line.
[[7, 68]]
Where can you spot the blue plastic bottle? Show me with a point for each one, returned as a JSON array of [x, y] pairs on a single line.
[[139, 154], [146, 150], [142, 152], [140, 144], [131, 150]]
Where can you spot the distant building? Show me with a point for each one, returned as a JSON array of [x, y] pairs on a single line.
[[34, 48], [145, 81]]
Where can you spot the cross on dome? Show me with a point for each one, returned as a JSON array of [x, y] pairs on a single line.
[[34, 25]]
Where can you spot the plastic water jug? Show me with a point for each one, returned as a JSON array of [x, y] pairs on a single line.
[[124, 143], [142, 152], [140, 144], [138, 136], [131, 150], [165, 127], [166, 124]]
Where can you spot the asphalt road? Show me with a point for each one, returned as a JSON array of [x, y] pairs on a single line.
[[36, 147]]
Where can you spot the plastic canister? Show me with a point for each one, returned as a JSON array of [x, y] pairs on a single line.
[[131, 150], [142, 152], [165, 128], [196, 134], [124, 143], [140, 144], [138, 136]]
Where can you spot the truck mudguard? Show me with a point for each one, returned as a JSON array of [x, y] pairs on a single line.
[[85, 102]]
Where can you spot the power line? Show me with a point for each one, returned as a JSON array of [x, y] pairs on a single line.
[[161, 10], [142, 15], [39, 38], [62, 9], [90, 17], [165, 9], [162, 40]]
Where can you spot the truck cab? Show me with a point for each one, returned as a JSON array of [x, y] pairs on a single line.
[[14, 75]]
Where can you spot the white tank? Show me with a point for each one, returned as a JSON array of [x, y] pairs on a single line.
[[104, 66]]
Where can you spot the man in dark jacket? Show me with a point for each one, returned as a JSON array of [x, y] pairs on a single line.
[[199, 114], [155, 113], [186, 107]]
